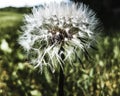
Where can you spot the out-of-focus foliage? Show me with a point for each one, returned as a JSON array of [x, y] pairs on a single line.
[[101, 77], [17, 10]]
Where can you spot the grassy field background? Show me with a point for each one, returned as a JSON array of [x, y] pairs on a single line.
[[18, 78]]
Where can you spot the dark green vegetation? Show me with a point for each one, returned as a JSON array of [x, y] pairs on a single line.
[[18, 78], [107, 10]]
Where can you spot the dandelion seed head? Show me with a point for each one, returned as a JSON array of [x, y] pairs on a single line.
[[54, 26]]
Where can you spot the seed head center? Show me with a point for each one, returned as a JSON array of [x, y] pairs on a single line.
[[60, 35]]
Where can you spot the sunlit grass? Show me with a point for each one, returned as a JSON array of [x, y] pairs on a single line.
[[9, 19]]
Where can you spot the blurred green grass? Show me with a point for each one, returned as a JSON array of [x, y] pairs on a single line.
[[18, 78], [9, 19]]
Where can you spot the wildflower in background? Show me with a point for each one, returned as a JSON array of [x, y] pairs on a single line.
[[56, 29]]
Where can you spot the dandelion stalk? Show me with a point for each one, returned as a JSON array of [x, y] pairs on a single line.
[[61, 77], [61, 83]]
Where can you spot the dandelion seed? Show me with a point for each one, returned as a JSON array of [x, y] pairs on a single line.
[[68, 26]]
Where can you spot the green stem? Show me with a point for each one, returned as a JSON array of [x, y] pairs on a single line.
[[61, 83], [61, 76]]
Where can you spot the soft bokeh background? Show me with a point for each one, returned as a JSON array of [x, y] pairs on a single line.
[[101, 77]]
